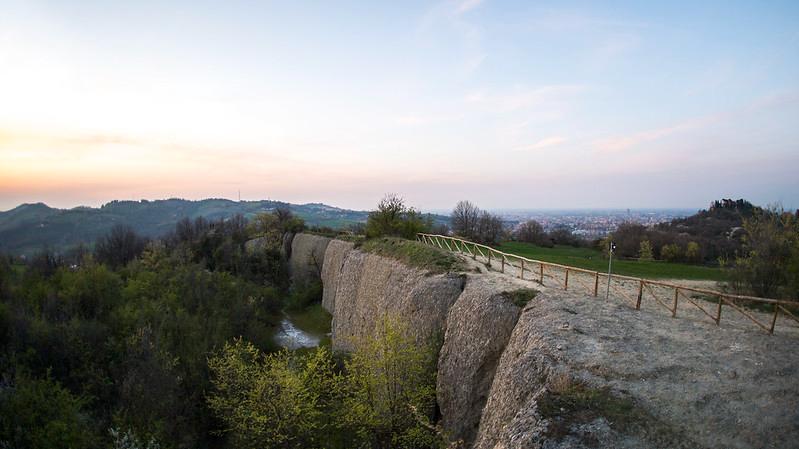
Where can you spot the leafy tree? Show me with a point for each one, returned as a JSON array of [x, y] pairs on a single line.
[[391, 379], [393, 218], [645, 251], [41, 414], [693, 253], [671, 252], [276, 400], [767, 267]]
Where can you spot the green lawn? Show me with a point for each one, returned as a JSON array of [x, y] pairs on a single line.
[[592, 259]]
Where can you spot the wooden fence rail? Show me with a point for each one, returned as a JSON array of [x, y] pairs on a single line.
[[619, 285]]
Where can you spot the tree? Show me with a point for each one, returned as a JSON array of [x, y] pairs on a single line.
[[489, 228], [671, 252], [464, 219], [766, 268], [391, 385], [531, 231], [119, 246], [276, 400], [563, 235], [393, 218], [693, 253], [41, 414], [645, 251]]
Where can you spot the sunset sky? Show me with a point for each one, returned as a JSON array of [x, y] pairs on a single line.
[[510, 104]]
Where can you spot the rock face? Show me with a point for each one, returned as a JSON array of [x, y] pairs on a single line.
[[644, 378], [370, 286], [307, 257], [335, 255], [471, 352], [285, 248]]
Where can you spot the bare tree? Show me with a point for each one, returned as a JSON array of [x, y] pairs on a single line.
[[489, 228], [531, 231], [464, 219]]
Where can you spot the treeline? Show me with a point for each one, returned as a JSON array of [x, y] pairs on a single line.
[[109, 348], [168, 343]]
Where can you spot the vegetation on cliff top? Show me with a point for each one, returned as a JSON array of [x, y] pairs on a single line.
[[414, 254]]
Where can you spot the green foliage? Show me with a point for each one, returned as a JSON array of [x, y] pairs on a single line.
[[645, 251], [769, 266], [394, 218], [135, 340], [385, 398], [671, 252], [392, 388], [277, 400], [304, 295], [415, 254], [693, 253], [521, 296], [41, 414]]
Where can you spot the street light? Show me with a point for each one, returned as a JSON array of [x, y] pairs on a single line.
[[611, 249]]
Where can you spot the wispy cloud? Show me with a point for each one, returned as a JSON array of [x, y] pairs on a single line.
[[547, 142], [621, 143], [555, 96]]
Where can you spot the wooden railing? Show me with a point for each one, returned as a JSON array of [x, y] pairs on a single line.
[[632, 289]]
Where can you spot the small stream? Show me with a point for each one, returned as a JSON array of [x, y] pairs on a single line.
[[291, 337]]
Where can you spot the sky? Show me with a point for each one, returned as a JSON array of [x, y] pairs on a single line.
[[510, 104]]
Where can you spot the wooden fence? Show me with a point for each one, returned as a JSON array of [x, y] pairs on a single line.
[[632, 289]]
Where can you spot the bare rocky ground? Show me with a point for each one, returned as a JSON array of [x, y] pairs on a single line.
[[585, 372]]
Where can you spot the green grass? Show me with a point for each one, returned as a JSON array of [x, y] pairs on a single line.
[[521, 296], [592, 259], [415, 254]]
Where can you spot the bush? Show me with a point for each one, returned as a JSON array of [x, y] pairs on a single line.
[[393, 219], [41, 414], [769, 266], [671, 252], [303, 295], [645, 251]]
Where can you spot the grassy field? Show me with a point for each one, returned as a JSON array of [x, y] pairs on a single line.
[[592, 259]]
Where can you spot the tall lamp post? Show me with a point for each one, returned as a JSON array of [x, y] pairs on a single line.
[[611, 249]]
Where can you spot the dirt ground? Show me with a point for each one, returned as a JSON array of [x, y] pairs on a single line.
[[727, 386]]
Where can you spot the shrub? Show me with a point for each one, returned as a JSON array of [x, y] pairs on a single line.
[[645, 251], [393, 218], [671, 252]]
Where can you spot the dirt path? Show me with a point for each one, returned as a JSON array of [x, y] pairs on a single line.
[[656, 299]]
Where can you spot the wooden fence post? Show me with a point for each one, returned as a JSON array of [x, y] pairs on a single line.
[[676, 295], [596, 283], [774, 319], [541, 273], [640, 295], [521, 273], [502, 270], [566, 281], [718, 312]]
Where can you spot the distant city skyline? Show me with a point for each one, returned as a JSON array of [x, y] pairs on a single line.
[[509, 104]]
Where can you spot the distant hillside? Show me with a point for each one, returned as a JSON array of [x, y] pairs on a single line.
[[30, 227]]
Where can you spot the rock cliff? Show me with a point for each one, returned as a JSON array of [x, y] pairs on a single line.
[[478, 327], [335, 255], [370, 286], [307, 257], [565, 370]]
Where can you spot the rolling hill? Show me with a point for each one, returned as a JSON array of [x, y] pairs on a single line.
[[30, 227]]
